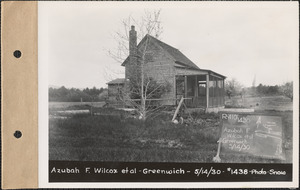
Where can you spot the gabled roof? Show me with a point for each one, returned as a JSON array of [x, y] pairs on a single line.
[[117, 81], [178, 57]]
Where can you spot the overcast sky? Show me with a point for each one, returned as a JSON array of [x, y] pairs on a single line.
[[237, 39]]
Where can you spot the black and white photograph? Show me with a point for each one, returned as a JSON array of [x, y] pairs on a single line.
[[169, 82]]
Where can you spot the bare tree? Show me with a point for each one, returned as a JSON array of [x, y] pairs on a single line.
[[233, 87], [141, 89], [149, 23], [287, 90]]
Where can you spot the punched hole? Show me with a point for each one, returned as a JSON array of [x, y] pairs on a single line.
[[18, 134], [17, 53]]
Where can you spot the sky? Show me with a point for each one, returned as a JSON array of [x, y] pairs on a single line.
[[241, 40]]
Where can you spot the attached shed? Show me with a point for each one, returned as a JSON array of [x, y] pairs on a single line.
[[115, 89]]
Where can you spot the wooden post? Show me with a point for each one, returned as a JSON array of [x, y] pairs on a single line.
[[196, 86], [175, 87], [177, 109], [217, 157], [207, 90], [185, 86], [223, 92], [218, 92]]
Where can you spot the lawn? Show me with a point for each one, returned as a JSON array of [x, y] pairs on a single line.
[[113, 138], [113, 135]]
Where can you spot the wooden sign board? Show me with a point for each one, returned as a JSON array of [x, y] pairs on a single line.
[[258, 135]]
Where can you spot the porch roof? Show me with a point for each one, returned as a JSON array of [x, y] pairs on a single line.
[[117, 81], [215, 73], [193, 72]]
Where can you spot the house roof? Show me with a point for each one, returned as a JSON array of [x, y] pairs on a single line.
[[179, 57], [176, 54], [117, 81]]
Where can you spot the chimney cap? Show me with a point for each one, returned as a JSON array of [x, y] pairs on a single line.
[[132, 27]]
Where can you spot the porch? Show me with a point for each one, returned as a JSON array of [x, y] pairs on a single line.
[[200, 91]]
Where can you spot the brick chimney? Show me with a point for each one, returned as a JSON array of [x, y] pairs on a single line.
[[132, 42], [131, 67]]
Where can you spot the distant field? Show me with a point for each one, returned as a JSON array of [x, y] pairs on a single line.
[[64, 105], [279, 103]]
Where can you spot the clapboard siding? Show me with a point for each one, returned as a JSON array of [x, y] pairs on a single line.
[[160, 66]]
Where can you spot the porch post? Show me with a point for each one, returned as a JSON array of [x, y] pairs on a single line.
[[185, 86], [196, 86], [175, 87], [223, 93], [207, 90]]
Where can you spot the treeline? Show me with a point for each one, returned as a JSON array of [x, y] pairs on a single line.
[[267, 90], [286, 89], [64, 94]]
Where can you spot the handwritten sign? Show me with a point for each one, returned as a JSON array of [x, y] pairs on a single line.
[[259, 135]]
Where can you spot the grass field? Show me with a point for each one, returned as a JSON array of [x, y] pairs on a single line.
[[113, 136]]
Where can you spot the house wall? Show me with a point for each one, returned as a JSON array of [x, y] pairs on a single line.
[[160, 66]]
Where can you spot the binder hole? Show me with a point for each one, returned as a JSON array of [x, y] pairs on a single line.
[[18, 134], [17, 53]]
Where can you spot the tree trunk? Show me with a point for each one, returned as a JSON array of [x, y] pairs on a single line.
[[143, 109], [143, 95]]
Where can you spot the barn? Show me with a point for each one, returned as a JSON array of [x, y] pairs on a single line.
[[200, 88]]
